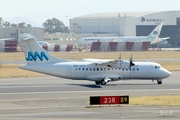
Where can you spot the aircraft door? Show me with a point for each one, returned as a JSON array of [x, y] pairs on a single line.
[[133, 72], [69, 72]]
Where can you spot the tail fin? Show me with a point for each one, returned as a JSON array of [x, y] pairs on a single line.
[[35, 54], [155, 33]]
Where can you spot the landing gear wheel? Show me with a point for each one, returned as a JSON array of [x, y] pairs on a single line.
[[103, 82], [97, 82], [159, 81]]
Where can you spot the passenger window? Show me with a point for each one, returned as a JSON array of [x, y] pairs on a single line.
[[86, 69], [122, 69], [137, 69], [112, 69], [104, 69], [83, 69], [90, 69], [155, 66], [79, 68], [93, 69], [76, 69], [97, 69], [126, 69], [108, 68], [133, 69]]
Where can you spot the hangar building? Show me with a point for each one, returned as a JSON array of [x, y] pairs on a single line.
[[129, 24]]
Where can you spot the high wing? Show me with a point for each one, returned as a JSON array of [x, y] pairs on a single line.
[[102, 62], [110, 63]]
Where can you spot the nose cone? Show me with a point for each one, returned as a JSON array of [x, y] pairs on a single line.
[[167, 73]]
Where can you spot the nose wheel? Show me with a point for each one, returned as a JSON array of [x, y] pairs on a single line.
[[159, 81]]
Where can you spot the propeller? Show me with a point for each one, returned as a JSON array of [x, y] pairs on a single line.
[[119, 60], [131, 62]]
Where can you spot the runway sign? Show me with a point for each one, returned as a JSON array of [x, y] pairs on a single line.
[[103, 100]]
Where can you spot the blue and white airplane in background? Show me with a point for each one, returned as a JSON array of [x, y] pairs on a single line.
[[98, 70], [153, 37]]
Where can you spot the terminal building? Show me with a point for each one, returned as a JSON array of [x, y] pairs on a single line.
[[129, 24]]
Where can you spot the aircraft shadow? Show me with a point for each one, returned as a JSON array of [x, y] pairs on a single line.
[[133, 84], [87, 85], [100, 86]]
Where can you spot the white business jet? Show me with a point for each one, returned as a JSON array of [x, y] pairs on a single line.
[[100, 71]]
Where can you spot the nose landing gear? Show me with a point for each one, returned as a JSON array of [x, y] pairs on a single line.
[[159, 81]]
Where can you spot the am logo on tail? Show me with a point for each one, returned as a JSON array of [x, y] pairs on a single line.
[[36, 55], [97, 70]]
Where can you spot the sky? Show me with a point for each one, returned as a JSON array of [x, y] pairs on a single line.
[[38, 11]]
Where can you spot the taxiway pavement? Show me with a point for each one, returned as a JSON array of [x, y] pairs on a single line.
[[57, 98]]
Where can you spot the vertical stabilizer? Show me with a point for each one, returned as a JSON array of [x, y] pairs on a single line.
[[155, 33], [34, 54]]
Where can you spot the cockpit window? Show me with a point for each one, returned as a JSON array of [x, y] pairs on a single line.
[[157, 66]]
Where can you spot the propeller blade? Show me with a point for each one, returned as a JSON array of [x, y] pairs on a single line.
[[131, 62], [120, 56]]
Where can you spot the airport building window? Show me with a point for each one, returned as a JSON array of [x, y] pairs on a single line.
[[47, 38], [55, 39]]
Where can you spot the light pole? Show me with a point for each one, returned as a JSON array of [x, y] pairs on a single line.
[[66, 19], [75, 24], [79, 27]]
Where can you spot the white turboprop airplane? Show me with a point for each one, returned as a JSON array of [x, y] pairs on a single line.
[[153, 37], [100, 71]]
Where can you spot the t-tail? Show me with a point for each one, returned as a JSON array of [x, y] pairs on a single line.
[[34, 53], [155, 33]]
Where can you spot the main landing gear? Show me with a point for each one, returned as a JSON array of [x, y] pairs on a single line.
[[100, 82]]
